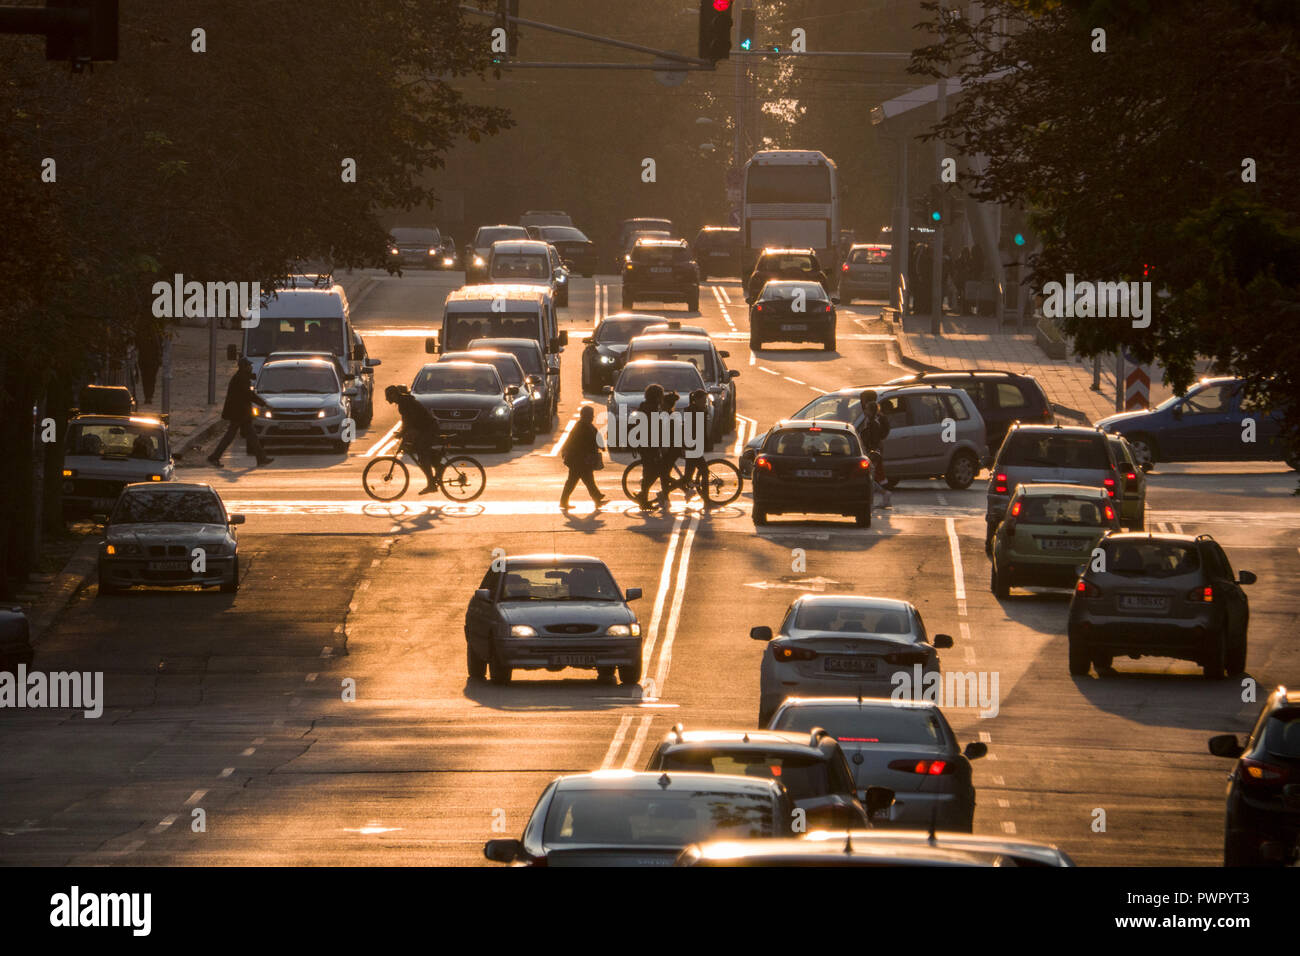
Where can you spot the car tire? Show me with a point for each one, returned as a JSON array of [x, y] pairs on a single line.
[[231, 586], [1214, 657], [363, 421], [998, 583], [1080, 659], [1234, 659], [1144, 450], [629, 300], [629, 674], [529, 436], [693, 303], [962, 471], [475, 665], [588, 387], [506, 444], [1102, 662], [605, 675], [340, 447], [499, 673], [829, 345], [1141, 523], [755, 344], [760, 517], [863, 518]]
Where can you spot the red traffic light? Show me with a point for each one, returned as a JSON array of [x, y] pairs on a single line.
[[722, 6]]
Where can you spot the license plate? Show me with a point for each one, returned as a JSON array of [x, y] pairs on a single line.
[[167, 565], [456, 426], [813, 473], [794, 328], [851, 665], [1143, 602], [1061, 544], [295, 426], [573, 660], [661, 268]]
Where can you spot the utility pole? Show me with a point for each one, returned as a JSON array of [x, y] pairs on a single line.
[[936, 252]]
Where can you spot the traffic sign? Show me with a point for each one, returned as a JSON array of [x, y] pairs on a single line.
[[1137, 389]]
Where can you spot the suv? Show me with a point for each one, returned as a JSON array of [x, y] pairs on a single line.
[[719, 251], [865, 272], [1167, 595], [1262, 823], [529, 262], [476, 252], [661, 270], [105, 453], [1003, 398], [415, 247], [783, 264], [1072, 455], [1204, 425], [812, 767], [1050, 530]]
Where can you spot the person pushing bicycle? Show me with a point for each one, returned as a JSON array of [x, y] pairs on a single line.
[[695, 469], [419, 433]]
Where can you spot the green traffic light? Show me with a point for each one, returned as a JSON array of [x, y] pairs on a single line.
[[937, 216], [1018, 239]]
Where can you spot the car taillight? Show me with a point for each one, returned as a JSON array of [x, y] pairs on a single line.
[[865, 464], [1015, 510], [828, 307], [1110, 486], [1000, 484], [1131, 476], [1203, 595], [758, 307], [930, 768], [1255, 772], [784, 652], [1110, 513], [763, 462], [1087, 589], [845, 267]]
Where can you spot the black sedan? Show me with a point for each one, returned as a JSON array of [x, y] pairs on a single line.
[[573, 245], [790, 311], [812, 467], [469, 401], [524, 406], [605, 349]]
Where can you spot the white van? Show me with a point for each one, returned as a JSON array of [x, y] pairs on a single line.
[[502, 312]]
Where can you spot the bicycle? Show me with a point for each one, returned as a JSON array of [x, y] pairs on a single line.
[[460, 478], [719, 484]]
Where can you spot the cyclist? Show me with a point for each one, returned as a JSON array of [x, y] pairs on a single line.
[[698, 410], [419, 433]]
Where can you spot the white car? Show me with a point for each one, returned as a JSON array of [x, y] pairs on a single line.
[[628, 392]]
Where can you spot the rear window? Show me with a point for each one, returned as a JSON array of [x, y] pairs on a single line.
[[1151, 559], [855, 620], [849, 723], [786, 263], [670, 818], [519, 266], [1282, 733], [812, 291], [804, 776], [562, 234], [860, 256], [1065, 510], [807, 443], [1086, 452], [660, 255]]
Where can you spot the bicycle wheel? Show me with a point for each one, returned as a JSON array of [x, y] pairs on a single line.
[[632, 480], [722, 483], [462, 478], [385, 478]]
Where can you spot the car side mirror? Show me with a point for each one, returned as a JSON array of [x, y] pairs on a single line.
[[943, 640], [975, 750], [835, 300], [482, 594], [733, 373], [374, 363], [607, 389], [431, 345], [749, 300], [762, 633], [1226, 745], [724, 355], [1246, 577], [231, 353], [501, 851], [879, 800], [632, 594], [235, 519], [564, 338], [512, 391]]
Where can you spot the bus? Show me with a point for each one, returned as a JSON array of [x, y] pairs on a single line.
[[791, 199]]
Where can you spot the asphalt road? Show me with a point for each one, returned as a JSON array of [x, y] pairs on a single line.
[[229, 710]]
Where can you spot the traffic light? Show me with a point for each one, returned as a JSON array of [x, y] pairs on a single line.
[[715, 30], [937, 206], [746, 36], [94, 38]]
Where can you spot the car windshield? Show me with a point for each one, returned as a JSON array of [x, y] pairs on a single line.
[[461, 328], [147, 442], [636, 818], [562, 234], [622, 331], [848, 618], [316, 379], [673, 378], [788, 290], [804, 775], [528, 355], [295, 335], [490, 234], [837, 408], [520, 266], [1066, 510], [805, 442], [417, 237], [697, 358], [1282, 733], [506, 366], [482, 380], [158, 505], [866, 725], [562, 582], [1150, 558], [1086, 452]]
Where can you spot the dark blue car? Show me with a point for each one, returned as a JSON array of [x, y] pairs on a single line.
[[1206, 424]]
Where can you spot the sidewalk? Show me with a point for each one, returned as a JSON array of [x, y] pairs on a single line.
[[970, 342]]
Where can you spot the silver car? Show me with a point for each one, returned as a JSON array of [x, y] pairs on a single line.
[[167, 535], [105, 453], [628, 391], [306, 404], [839, 644]]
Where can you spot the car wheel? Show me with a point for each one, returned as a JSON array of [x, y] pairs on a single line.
[[363, 421], [1080, 658], [476, 665], [693, 303], [588, 387], [829, 345], [1102, 662], [1144, 450], [998, 583], [628, 299], [530, 436], [863, 518], [605, 675], [1141, 523], [1213, 660], [1235, 658], [339, 447], [755, 344], [962, 471], [760, 516], [231, 586], [629, 673], [505, 444], [499, 673]]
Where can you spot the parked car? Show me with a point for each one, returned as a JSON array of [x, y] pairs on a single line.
[[800, 264], [469, 401], [105, 453], [719, 252], [573, 245], [864, 272], [605, 350], [1049, 531], [812, 467], [661, 270], [792, 311], [1003, 398]]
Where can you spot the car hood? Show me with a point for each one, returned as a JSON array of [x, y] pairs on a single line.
[[302, 400], [116, 469], [168, 532], [539, 613], [1118, 421], [613, 348], [600, 855], [458, 400]]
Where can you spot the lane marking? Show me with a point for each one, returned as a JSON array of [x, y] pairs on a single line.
[[248, 752], [634, 751], [165, 822], [674, 614], [376, 448], [564, 435], [652, 632], [769, 371], [195, 797], [721, 291], [616, 744], [959, 585], [795, 380], [226, 773], [746, 428]]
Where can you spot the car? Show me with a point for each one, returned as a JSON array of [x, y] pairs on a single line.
[[792, 311], [798, 264], [531, 262], [469, 402], [661, 270], [629, 818], [834, 643], [524, 408], [905, 745], [360, 373], [1165, 595], [921, 442], [166, 535], [865, 272], [1206, 424], [573, 246], [305, 404], [1133, 505], [476, 254], [536, 218], [674, 326], [1058, 454], [812, 767], [1262, 818], [605, 350], [1002, 398], [719, 251], [628, 392], [812, 467], [1049, 531], [415, 247], [449, 259], [875, 848], [549, 612], [104, 453], [530, 355], [700, 351]]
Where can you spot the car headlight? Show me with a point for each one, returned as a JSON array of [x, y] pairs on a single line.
[[623, 630], [259, 412], [607, 360], [434, 252], [394, 251], [537, 395], [501, 411], [69, 473], [322, 413], [478, 261], [449, 262], [523, 630]]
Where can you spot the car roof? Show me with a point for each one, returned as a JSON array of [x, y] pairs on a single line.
[[458, 363], [674, 327], [786, 283], [300, 362], [514, 247], [796, 250], [659, 781], [968, 374], [792, 849], [471, 295], [511, 343], [96, 419], [1056, 429], [854, 600], [870, 245], [865, 703], [1045, 489], [744, 740], [172, 487], [631, 317], [1047, 853], [476, 355], [697, 343], [304, 303], [658, 242], [546, 560], [660, 363], [1124, 537]]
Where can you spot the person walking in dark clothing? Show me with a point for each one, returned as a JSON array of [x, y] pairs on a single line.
[[582, 455], [419, 432], [238, 411], [873, 431]]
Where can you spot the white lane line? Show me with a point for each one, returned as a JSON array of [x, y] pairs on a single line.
[[769, 371], [634, 751], [665, 577], [720, 291], [717, 294], [1003, 804], [986, 737], [752, 357], [617, 743], [959, 585], [248, 752], [327, 651], [226, 773], [564, 435], [744, 425], [195, 797], [822, 390], [670, 633], [795, 380], [310, 678], [1008, 826], [375, 449], [164, 823]]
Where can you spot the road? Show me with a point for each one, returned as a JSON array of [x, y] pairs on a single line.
[[226, 737]]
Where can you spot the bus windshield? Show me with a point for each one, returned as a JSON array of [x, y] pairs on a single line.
[[788, 184]]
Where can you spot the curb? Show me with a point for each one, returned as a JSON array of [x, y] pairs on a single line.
[[199, 436], [79, 569]]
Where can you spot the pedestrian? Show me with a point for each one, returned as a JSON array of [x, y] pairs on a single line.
[[582, 456], [238, 412], [873, 431], [651, 456], [698, 410]]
